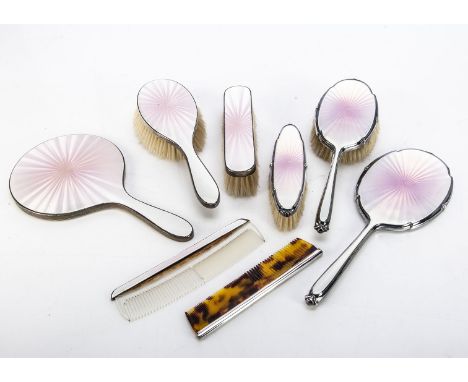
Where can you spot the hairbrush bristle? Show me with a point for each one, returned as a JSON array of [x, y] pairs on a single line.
[[199, 136], [253, 284], [241, 186], [287, 223], [348, 157], [162, 147]]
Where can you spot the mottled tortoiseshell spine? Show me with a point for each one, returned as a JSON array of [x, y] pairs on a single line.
[[241, 291]]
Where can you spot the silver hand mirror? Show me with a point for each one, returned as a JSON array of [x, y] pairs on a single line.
[[76, 174], [399, 191]]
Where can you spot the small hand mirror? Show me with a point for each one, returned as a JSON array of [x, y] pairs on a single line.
[[400, 190]]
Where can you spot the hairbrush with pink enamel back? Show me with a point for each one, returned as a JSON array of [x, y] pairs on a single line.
[[399, 191], [288, 178], [345, 130], [169, 124], [73, 175], [241, 176]]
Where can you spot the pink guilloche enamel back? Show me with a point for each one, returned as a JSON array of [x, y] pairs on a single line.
[[169, 109], [347, 113], [68, 174], [405, 187], [238, 129], [288, 167]]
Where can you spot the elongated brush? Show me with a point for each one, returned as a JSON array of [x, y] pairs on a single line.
[[169, 124], [241, 176], [345, 131], [187, 271], [251, 286], [287, 179]]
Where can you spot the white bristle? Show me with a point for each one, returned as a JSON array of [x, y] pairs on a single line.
[[161, 146], [240, 186], [287, 223], [349, 156]]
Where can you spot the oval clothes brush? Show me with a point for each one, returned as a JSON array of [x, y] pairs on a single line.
[[399, 191], [287, 178], [241, 176], [76, 174], [345, 129], [169, 124]]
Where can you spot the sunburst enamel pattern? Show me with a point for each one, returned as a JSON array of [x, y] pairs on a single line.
[[404, 187], [67, 174], [73, 174], [288, 168], [169, 109], [347, 113], [398, 191], [239, 149]]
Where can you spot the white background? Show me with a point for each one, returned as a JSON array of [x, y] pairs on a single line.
[[403, 295]]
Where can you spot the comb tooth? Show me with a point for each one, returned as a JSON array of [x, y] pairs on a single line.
[[175, 278], [250, 286], [267, 260], [255, 273], [147, 301]]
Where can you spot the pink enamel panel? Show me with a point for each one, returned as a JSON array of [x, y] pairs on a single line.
[[68, 174], [347, 113], [169, 108], [404, 187], [239, 148], [288, 167]]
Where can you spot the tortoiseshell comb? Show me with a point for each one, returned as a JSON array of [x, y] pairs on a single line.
[[251, 286]]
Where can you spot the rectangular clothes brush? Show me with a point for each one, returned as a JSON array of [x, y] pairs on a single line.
[[240, 157], [236, 296], [187, 271]]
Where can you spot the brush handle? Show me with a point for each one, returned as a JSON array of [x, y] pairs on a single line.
[[324, 212], [169, 224], [334, 271], [205, 186]]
